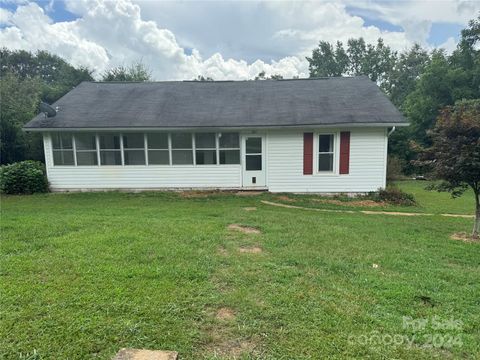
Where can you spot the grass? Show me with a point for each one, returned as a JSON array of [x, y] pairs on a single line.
[[83, 275]]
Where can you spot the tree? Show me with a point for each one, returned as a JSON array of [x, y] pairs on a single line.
[[202, 78], [327, 60], [57, 76], [20, 99], [455, 152], [135, 72], [262, 76]]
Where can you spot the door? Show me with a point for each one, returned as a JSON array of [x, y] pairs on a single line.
[[254, 161]]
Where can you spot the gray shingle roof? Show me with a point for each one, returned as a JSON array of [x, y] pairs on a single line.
[[302, 102]]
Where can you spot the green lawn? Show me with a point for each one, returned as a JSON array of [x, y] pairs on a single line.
[[83, 275]]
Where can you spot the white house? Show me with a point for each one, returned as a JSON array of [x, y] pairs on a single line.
[[301, 135]]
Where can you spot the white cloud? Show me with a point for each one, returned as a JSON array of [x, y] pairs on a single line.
[[227, 40]]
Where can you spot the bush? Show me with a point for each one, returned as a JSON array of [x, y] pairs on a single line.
[[395, 196], [24, 177]]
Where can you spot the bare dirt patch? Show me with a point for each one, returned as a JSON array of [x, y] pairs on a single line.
[[285, 198], [463, 236], [362, 203], [244, 229], [225, 314], [222, 251], [142, 354], [249, 193], [393, 213], [250, 208], [232, 349], [197, 194], [250, 250]]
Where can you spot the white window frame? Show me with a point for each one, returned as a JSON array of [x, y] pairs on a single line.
[[62, 149], [208, 149], [86, 151], [192, 136], [100, 150], [134, 149], [336, 152], [227, 149]]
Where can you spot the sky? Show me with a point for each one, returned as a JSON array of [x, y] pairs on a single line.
[[225, 40]]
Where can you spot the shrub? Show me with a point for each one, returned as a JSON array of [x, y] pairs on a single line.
[[394, 195], [24, 177]]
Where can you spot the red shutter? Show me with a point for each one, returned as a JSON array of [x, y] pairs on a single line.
[[307, 153], [344, 152]]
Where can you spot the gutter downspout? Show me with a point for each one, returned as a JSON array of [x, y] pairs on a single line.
[[391, 131]]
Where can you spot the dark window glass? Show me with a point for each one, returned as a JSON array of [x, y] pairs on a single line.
[[253, 162], [158, 157], [157, 141], [254, 145], [229, 141], [229, 157], [87, 158], [109, 141], [110, 157], [206, 157], [325, 143], [62, 141], [181, 141], [134, 157], [85, 142], [63, 157], [325, 162], [133, 141], [205, 141], [182, 157]]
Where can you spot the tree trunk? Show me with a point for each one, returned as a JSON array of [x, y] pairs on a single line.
[[476, 225]]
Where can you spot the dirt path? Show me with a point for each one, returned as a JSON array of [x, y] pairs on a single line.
[[367, 212]]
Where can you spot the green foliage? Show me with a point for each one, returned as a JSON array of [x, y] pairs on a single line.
[[395, 196], [135, 72], [25, 177], [454, 154], [262, 76], [395, 167], [20, 99]]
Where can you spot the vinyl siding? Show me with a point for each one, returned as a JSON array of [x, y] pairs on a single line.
[[367, 163], [62, 178]]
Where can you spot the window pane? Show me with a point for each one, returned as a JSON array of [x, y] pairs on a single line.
[[62, 141], [229, 140], [206, 157], [181, 141], [253, 162], [87, 158], [158, 157], [133, 141], [109, 141], [229, 156], [254, 145], [325, 162], [134, 157], [182, 157], [205, 141], [325, 143], [85, 142], [157, 141], [110, 157], [64, 157]]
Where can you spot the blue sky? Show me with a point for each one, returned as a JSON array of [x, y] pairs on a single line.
[[222, 39]]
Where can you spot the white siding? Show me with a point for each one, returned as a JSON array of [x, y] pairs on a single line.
[[284, 169], [139, 177], [367, 163]]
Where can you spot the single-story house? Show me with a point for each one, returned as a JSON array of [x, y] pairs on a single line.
[[301, 135]]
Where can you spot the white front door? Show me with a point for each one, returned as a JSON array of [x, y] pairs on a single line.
[[254, 161]]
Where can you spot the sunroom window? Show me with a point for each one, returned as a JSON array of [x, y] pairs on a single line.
[[158, 153], [182, 152], [229, 144], [62, 146], [325, 152], [110, 151], [134, 149], [86, 149], [205, 149]]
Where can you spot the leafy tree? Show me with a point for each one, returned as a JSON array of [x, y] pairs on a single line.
[[262, 76], [203, 78], [455, 152], [327, 60], [135, 72], [56, 75], [20, 99]]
